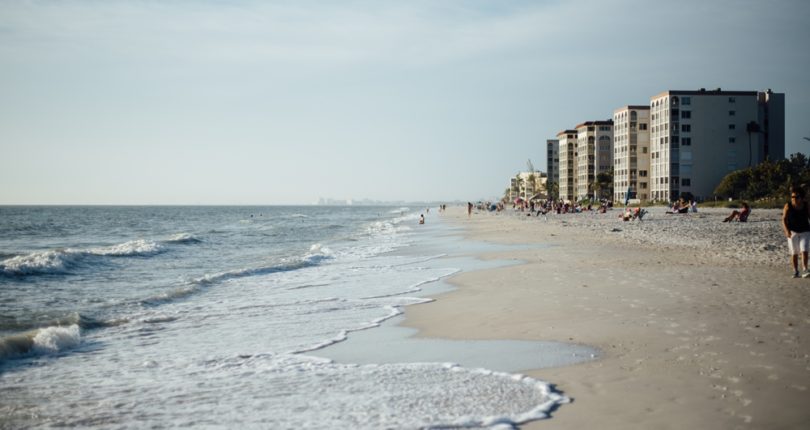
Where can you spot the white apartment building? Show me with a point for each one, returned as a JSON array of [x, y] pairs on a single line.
[[631, 153], [697, 137], [527, 185], [594, 155], [553, 160], [567, 144]]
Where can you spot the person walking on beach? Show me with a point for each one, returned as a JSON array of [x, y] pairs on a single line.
[[796, 223], [469, 209]]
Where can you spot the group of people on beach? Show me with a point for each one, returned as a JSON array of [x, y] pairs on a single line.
[[795, 218], [683, 206]]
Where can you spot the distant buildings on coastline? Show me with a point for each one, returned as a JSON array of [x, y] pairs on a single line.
[[528, 186], [683, 142]]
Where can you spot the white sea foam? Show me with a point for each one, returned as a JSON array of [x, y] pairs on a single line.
[[54, 261], [56, 339], [133, 247], [183, 238]]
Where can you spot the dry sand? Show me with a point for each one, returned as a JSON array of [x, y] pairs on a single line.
[[699, 323]]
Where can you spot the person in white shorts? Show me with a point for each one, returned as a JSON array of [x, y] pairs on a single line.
[[796, 224]]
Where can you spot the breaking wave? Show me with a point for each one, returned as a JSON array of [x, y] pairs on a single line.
[[48, 340], [317, 254], [63, 260]]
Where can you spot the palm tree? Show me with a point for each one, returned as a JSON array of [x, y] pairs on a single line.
[[518, 184], [553, 190], [603, 184], [531, 181]]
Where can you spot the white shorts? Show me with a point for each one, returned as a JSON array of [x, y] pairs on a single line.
[[799, 242]]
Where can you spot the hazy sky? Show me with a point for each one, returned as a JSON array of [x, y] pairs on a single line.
[[281, 102]]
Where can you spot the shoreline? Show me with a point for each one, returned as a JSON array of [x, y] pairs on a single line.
[[698, 322]]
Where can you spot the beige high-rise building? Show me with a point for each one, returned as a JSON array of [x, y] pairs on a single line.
[[698, 137], [594, 155], [631, 153], [568, 164]]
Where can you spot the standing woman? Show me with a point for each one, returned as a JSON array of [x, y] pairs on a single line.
[[796, 223]]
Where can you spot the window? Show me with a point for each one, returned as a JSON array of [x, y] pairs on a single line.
[[686, 128], [642, 126], [686, 114], [642, 173], [644, 150], [732, 113], [686, 101], [686, 141], [732, 100], [686, 182], [732, 126], [732, 139]]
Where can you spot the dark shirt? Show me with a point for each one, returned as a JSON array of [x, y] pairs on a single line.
[[797, 219]]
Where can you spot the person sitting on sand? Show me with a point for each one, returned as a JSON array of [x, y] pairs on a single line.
[[680, 207], [741, 216]]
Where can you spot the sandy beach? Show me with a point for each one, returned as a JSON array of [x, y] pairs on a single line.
[[699, 322]]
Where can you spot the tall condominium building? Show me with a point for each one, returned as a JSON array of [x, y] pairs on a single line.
[[697, 137], [594, 154], [631, 153], [553, 160], [568, 164]]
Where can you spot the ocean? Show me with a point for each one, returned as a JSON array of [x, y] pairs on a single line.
[[214, 317]]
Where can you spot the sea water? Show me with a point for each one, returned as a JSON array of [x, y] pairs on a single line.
[[214, 317]]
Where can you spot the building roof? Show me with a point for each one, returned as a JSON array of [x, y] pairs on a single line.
[[632, 107], [587, 123], [704, 92], [566, 132]]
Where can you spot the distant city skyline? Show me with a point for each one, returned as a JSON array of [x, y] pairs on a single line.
[[248, 102]]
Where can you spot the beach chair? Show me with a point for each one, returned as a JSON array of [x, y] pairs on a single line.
[[639, 214]]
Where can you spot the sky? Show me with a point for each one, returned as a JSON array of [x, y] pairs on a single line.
[[284, 102]]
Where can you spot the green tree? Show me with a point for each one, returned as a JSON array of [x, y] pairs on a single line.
[[603, 186], [553, 190], [766, 181]]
